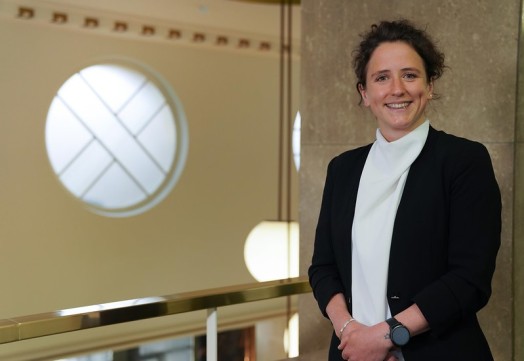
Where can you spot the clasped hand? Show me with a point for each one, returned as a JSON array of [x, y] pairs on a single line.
[[359, 342]]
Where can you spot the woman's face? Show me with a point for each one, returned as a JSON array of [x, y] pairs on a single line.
[[396, 91]]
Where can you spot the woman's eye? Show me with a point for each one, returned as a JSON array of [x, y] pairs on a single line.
[[381, 78], [410, 76]]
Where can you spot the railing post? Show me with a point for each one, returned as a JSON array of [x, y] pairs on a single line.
[[211, 335]]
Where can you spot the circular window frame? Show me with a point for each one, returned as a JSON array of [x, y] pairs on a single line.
[[180, 147]]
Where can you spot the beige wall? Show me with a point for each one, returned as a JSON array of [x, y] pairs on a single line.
[[478, 101], [55, 254]]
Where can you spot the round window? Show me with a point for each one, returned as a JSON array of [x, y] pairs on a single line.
[[116, 138]]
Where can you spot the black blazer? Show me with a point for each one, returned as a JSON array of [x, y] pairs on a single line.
[[444, 245]]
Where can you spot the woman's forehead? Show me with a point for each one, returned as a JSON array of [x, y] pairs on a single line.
[[394, 56]]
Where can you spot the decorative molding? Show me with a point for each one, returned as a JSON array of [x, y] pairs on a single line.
[[120, 26], [199, 37], [146, 29], [25, 12], [91, 23], [59, 18]]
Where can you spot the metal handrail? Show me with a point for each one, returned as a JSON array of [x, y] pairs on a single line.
[[81, 318]]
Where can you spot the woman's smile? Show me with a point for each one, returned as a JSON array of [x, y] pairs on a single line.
[[402, 105]]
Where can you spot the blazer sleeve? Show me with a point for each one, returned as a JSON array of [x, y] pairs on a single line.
[[474, 239], [323, 272]]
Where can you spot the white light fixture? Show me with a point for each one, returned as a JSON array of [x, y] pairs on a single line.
[[271, 250]]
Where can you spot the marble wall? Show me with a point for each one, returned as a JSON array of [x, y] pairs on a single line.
[[518, 226], [478, 101]]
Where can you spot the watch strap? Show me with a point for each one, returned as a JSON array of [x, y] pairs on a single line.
[[393, 322]]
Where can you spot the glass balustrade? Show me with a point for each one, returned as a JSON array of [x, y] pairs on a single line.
[[255, 322]]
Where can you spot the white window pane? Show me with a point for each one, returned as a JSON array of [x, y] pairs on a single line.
[[141, 108], [115, 190], [159, 138], [111, 133], [115, 84], [139, 164], [85, 104], [65, 135], [112, 139], [85, 169]]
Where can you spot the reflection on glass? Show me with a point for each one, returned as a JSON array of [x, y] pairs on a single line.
[[295, 141]]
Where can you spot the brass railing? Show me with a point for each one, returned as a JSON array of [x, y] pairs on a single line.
[[81, 318]]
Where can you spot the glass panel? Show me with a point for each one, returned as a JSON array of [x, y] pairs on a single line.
[[77, 95], [65, 135], [253, 331], [115, 190], [99, 356], [112, 134], [85, 169], [139, 164], [159, 138], [141, 108], [113, 83], [130, 122], [170, 350], [232, 345]]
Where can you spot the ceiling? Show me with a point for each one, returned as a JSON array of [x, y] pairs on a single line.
[[244, 16]]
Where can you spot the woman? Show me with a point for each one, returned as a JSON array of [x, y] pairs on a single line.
[[409, 226]]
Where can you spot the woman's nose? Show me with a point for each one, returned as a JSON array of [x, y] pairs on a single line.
[[397, 87]]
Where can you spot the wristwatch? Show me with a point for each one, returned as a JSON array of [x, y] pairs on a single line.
[[398, 333]]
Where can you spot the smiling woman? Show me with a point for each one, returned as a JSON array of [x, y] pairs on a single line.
[[409, 226]]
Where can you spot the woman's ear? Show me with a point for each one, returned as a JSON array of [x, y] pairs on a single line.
[[363, 94], [430, 90]]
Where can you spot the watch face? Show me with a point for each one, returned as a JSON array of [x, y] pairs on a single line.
[[400, 336]]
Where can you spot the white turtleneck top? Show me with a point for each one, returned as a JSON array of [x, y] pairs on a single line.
[[379, 193]]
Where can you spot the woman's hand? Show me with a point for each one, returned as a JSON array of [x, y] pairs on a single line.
[[363, 343]]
